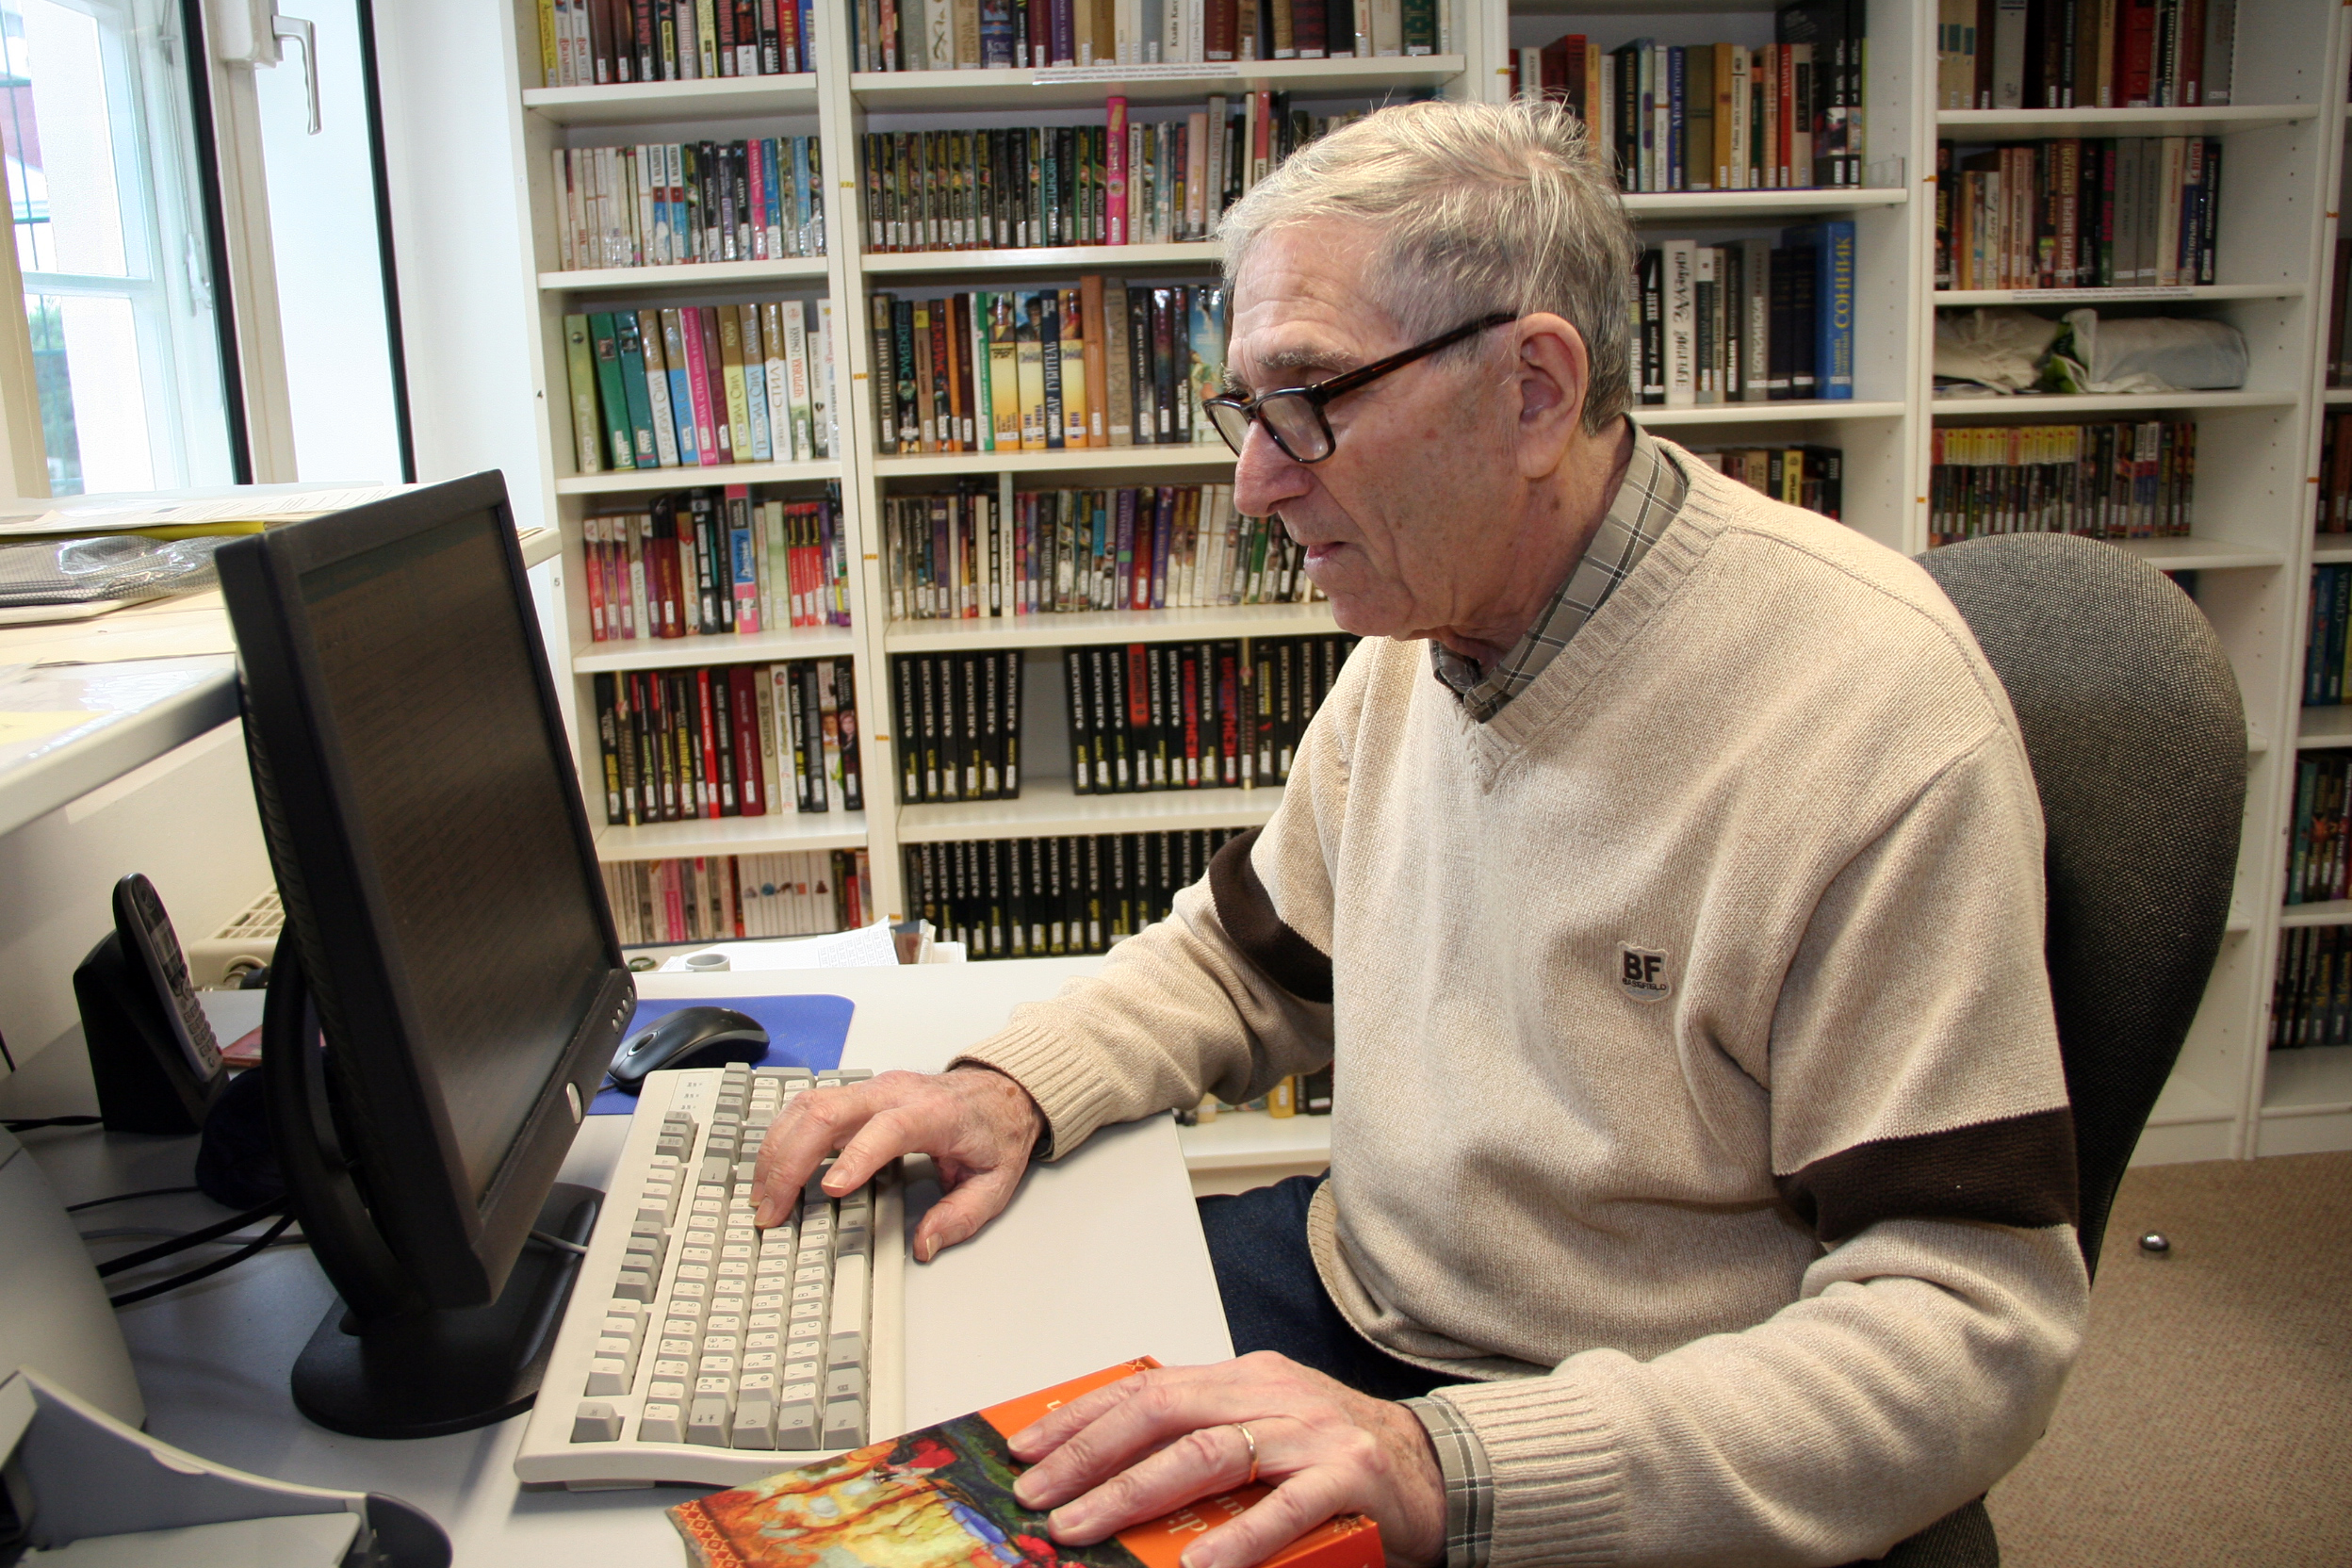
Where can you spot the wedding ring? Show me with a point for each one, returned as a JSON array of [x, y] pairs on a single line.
[[1254, 1452]]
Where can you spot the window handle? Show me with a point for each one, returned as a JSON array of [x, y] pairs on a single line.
[[293, 28]]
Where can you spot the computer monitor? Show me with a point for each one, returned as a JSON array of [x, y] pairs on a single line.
[[449, 987]]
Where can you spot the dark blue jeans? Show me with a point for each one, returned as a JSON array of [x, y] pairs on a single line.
[[1274, 1299]]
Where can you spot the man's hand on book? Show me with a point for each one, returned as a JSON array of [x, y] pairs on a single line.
[[978, 1125], [1146, 1446]]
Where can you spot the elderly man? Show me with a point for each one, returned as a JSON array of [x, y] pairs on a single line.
[[1663, 877]]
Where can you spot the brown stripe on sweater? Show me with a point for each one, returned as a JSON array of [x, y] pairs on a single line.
[[2018, 1170], [1249, 919]]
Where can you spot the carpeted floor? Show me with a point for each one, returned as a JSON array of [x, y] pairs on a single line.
[[2210, 1419]]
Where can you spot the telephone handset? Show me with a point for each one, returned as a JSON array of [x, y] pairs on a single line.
[[151, 1051]]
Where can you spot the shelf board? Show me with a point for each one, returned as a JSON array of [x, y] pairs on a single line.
[[1089, 627], [1695, 205], [2318, 727], [1246, 1140], [2331, 549], [1070, 460], [1045, 258], [663, 653], [2238, 921], [661, 102], [539, 543], [2308, 1080], [2185, 1103], [2337, 911], [2063, 404], [632, 480], [671, 277], [925, 92], [777, 833], [2115, 296], [2255, 742], [1048, 808], [2192, 554], [1768, 412], [2335, 394], [2007, 125]]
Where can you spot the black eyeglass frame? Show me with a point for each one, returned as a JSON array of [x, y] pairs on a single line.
[[1322, 392]]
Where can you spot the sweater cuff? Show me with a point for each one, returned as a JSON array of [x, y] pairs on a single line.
[[1469, 1482], [1074, 1101], [1556, 1474]]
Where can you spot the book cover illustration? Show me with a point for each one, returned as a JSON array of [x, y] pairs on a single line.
[[943, 1497]]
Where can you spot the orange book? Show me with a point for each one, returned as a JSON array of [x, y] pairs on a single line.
[[943, 1497], [1098, 369]]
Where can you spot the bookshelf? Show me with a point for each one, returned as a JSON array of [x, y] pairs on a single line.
[[2250, 541]]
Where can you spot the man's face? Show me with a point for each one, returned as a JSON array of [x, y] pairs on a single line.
[[1399, 520]]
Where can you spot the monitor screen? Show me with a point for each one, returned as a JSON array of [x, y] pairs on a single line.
[[456, 796]]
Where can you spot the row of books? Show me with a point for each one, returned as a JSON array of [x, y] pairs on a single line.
[[1717, 116], [1300, 1094], [1038, 898], [705, 564], [1808, 476], [2318, 870], [1748, 321], [729, 741], [958, 724], [1126, 181], [737, 897], [947, 35], [688, 386], [2079, 212], [1194, 715], [1101, 364], [1172, 547], [602, 42], [671, 204], [2334, 508], [2312, 1003], [2326, 649], [2118, 478], [2338, 346], [2084, 54]]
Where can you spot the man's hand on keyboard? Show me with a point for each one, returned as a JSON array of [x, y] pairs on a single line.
[[977, 1124], [1144, 1446]]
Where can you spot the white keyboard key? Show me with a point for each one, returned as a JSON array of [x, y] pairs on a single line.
[[715, 1344], [619, 1347], [796, 1422], [844, 1382], [760, 1361], [670, 1390], [763, 1339], [844, 1424], [634, 1284], [723, 1322], [755, 1421], [596, 1421], [706, 1423], [805, 1370], [766, 1318], [662, 1422], [680, 1348], [608, 1375], [714, 1366], [679, 1367]]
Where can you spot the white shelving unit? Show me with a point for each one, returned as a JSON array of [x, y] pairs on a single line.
[[2251, 543]]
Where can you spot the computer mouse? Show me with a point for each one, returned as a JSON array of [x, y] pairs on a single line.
[[692, 1037]]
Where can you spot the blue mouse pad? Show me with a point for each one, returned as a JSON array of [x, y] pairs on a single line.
[[803, 1031]]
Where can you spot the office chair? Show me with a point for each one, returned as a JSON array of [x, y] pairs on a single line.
[[2136, 735]]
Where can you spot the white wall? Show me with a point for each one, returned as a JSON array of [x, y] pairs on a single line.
[[449, 87], [185, 820]]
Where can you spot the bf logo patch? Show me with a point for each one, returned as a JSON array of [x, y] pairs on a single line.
[[1642, 974]]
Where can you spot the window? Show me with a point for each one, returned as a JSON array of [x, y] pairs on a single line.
[[119, 290]]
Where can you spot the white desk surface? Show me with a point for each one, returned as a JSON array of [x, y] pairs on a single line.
[[1098, 1259]]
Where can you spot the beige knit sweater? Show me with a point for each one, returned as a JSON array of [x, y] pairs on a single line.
[[1698, 1099]]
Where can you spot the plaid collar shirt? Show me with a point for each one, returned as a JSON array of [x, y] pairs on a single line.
[[1652, 494]]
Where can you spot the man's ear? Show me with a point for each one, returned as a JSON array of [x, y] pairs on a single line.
[[1551, 373]]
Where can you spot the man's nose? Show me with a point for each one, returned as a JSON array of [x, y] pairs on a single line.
[[1265, 475]]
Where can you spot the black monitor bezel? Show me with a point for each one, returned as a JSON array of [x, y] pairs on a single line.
[[447, 1247]]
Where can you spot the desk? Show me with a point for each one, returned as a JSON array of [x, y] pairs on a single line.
[[1098, 1259]]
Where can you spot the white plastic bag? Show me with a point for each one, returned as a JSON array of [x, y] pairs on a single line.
[[2147, 353], [1998, 346]]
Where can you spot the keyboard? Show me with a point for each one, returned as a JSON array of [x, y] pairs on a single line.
[[696, 1348]]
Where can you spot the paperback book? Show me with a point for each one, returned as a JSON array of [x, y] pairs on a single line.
[[943, 1496]]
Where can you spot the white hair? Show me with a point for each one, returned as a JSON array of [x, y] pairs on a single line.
[[1477, 208]]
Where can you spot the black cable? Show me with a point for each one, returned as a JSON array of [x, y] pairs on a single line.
[[126, 1196], [5, 1056], [177, 1280], [193, 1238], [27, 1124]]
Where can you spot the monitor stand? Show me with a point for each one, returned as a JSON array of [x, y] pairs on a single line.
[[382, 1363]]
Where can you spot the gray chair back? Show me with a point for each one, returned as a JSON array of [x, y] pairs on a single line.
[[2137, 734]]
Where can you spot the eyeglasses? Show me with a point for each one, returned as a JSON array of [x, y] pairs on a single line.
[[1293, 416]]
